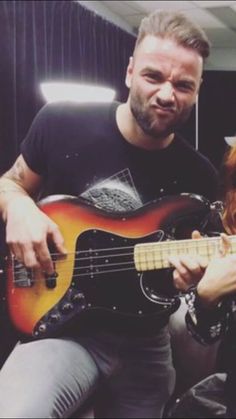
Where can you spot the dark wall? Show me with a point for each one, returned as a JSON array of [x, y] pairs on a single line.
[[188, 131], [42, 40], [217, 113], [47, 41]]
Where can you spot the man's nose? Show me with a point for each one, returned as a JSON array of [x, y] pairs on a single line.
[[166, 93]]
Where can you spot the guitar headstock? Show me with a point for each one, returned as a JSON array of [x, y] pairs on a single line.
[[217, 207], [214, 225]]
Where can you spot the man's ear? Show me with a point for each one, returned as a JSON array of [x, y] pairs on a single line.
[[199, 86], [198, 90], [129, 72]]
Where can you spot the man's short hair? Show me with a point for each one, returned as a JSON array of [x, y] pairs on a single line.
[[175, 26]]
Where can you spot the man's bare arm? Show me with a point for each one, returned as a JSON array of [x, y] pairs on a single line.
[[19, 180], [27, 228]]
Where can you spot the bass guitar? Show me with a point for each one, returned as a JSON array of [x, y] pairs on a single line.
[[111, 265]]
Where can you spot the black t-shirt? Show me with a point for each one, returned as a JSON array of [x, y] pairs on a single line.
[[79, 151], [78, 147]]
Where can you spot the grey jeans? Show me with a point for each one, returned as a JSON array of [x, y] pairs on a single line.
[[51, 378]]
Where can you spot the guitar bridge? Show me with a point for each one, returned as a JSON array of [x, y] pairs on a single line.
[[22, 276]]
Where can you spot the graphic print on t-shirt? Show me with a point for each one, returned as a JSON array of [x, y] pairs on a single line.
[[116, 193]]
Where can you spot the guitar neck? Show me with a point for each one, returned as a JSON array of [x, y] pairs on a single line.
[[150, 256]]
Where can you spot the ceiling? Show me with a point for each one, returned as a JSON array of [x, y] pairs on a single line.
[[218, 18]]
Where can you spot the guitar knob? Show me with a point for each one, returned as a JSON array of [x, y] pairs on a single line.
[[55, 317], [66, 308], [42, 328]]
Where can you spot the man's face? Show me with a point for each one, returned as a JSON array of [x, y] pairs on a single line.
[[164, 80]]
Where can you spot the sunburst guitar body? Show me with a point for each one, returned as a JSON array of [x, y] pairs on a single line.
[[115, 262]]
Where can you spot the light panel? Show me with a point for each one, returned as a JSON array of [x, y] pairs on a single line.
[[231, 141], [75, 92]]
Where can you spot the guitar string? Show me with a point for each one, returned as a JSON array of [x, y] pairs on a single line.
[[81, 275], [85, 274], [23, 281], [92, 270], [146, 247], [154, 260], [87, 267]]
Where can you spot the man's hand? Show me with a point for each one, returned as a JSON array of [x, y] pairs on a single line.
[[218, 281], [188, 269], [28, 231]]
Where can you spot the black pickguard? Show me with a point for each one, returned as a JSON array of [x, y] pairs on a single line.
[[109, 280]]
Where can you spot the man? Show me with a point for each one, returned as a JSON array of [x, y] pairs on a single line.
[[120, 157]]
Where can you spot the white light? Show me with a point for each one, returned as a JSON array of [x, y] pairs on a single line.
[[75, 92], [231, 141]]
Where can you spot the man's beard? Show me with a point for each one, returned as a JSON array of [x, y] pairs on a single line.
[[150, 123]]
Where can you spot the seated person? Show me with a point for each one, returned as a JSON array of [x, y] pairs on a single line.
[[139, 151], [212, 303]]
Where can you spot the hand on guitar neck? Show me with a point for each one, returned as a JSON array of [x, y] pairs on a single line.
[[189, 269], [218, 281], [215, 278]]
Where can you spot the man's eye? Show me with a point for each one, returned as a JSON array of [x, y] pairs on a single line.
[[153, 78], [184, 87]]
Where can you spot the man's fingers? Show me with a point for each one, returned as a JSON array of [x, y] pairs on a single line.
[[186, 264], [34, 255], [44, 258], [25, 254], [179, 283], [192, 264], [196, 235], [30, 259], [58, 239], [177, 263], [225, 245], [16, 252], [202, 262]]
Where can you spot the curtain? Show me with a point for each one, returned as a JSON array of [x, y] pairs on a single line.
[[48, 41]]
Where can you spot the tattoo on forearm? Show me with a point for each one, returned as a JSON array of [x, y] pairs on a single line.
[[16, 173]]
